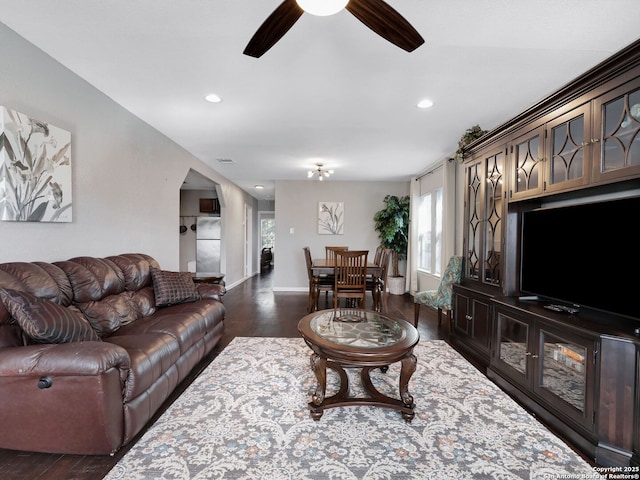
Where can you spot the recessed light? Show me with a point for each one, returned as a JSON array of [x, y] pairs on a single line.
[[258, 187], [213, 98], [425, 103]]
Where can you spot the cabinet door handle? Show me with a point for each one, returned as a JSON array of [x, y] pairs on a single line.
[[534, 356], [595, 140], [584, 144], [468, 317], [528, 354]]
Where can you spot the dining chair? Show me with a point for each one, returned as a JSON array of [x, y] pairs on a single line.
[[442, 298], [330, 254], [316, 283], [350, 274]]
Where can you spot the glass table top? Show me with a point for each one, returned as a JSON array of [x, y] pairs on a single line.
[[357, 328]]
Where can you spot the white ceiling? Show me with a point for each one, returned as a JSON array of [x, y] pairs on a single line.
[[330, 89]]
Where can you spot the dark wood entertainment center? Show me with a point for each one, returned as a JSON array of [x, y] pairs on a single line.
[[579, 372]]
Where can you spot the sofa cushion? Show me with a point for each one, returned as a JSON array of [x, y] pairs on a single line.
[[92, 278], [135, 268], [107, 315], [42, 279], [151, 354], [173, 287], [45, 321]]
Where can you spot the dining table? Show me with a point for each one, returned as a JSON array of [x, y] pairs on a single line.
[[323, 266]]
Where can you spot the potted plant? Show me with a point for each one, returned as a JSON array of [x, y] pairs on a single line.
[[469, 136], [392, 225]]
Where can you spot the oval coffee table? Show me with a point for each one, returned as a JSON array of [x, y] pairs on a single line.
[[354, 338]]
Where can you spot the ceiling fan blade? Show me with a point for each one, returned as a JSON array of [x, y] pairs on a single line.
[[380, 17], [273, 28]]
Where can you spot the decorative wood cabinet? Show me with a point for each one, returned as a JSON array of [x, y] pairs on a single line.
[[552, 158], [597, 142], [579, 375], [472, 324], [552, 363], [482, 268], [484, 213]]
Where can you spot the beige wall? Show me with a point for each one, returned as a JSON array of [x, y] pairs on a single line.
[[126, 175]]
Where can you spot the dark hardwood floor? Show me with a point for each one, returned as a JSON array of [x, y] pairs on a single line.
[[252, 310]]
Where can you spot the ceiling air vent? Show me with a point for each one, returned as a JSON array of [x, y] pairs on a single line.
[[225, 161]]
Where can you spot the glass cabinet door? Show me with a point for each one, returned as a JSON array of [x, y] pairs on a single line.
[[568, 153], [617, 147], [562, 373], [562, 369], [527, 165], [474, 220], [513, 347], [493, 213], [484, 211]]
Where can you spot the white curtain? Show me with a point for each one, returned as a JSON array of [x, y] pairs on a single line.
[[442, 175]]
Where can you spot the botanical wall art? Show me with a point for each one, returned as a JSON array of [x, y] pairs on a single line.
[[35, 170], [331, 218]]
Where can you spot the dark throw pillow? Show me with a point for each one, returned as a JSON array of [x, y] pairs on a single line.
[[45, 321], [173, 287]]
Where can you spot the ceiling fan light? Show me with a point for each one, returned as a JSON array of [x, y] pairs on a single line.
[[322, 8]]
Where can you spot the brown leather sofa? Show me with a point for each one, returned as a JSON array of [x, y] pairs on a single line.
[[118, 356]]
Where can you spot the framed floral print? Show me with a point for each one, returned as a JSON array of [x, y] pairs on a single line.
[[35, 170], [331, 218]]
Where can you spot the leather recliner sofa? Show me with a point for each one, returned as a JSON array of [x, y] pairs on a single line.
[[94, 395]]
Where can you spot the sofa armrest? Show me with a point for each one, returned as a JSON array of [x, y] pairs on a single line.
[[63, 398], [76, 358], [211, 290]]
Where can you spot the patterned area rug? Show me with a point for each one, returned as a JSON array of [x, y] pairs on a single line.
[[246, 417]]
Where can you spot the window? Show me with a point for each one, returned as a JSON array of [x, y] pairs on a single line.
[[267, 233], [430, 232]]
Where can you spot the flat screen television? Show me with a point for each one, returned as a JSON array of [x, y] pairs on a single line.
[[584, 255]]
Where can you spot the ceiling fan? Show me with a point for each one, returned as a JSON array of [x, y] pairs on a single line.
[[375, 14]]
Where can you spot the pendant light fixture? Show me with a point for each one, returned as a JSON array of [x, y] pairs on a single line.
[[322, 173], [322, 8]]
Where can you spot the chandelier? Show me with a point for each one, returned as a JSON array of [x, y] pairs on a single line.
[[322, 173]]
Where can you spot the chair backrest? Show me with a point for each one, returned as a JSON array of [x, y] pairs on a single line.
[[330, 252], [307, 257], [452, 274], [378, 256], [350, 274], [384, 263]]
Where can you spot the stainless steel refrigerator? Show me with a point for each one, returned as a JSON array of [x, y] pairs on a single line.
[[208, 244]]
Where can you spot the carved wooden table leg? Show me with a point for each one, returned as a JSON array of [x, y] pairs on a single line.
[[408, 369], [319, 367]]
